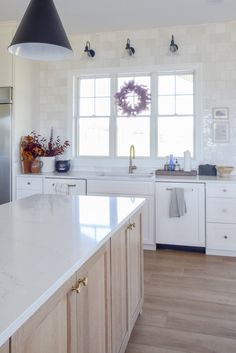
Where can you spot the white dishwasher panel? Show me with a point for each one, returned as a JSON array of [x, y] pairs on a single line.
[[188, 230]]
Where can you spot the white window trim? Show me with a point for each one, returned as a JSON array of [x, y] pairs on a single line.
[[87, 161]]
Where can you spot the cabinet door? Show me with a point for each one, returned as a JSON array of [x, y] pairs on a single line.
[[6, 72], [135, 268], [48, 330], [93, 322], [5, 348], [187, 230], [119, 292]]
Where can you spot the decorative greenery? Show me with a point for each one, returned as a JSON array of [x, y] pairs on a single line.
[[35, 145], [142, 94]]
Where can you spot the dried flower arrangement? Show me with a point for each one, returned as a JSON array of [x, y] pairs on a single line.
[[35, 145], [142, 94]]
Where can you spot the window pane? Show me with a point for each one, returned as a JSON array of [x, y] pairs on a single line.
[[184, 105], [87, 88], [86, 107], [166, 85], [184, 84], [134, 131], [102, 87], [123, 80], [175, 135], [102, 106], [166, 105], [94, 137]]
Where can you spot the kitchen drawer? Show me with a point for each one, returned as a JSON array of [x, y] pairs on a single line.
[[222, 210], [73, 186], [221, 190], [221, 236], [30, 183]]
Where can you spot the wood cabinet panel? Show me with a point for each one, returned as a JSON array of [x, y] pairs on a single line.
[[48, 330], [135, 265], [119, 289], [93, 321]]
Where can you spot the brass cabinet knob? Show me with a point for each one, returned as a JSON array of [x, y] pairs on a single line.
[[82, 282], [225, 237], [133, 225]]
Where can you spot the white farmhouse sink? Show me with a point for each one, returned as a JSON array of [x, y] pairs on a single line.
[[126, 175]]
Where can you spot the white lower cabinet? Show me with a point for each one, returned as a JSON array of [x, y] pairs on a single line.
[[220, 218], [28, 185], [132, 189], [188, 230]]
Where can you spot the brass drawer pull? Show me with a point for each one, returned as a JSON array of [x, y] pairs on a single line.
[[131, 226], [71, 185], [82, 282]]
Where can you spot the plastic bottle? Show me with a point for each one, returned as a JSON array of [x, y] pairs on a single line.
[[171, 163]]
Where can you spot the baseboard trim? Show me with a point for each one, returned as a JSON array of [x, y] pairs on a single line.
[[149, 247], [213, 252], [180, 248]]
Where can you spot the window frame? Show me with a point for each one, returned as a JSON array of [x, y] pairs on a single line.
[[153, 71]]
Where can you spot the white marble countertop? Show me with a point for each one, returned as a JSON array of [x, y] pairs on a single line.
[[136, 176], [44, 240]]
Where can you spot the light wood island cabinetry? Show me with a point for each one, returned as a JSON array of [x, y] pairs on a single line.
[[96, 309]]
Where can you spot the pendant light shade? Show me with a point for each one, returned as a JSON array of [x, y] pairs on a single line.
[[40, 35]]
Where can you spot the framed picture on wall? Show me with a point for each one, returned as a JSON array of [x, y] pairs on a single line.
[[221, 132], [220, 113]]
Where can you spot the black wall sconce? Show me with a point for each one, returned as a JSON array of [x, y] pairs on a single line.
[[173, 46], [90, 52], [129, 49]]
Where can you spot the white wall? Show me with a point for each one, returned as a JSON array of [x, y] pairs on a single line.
[[213, 46]]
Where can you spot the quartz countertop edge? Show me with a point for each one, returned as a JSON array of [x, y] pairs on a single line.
[[42, 299], [135, 177]]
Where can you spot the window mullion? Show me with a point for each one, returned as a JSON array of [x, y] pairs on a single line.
[[112, 131], [153, 116]]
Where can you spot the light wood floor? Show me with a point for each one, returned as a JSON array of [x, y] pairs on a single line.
[[189, 306]]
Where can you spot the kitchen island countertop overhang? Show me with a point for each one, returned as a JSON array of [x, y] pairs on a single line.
[[44, 240]]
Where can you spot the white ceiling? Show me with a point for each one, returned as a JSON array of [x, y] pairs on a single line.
[[81, 16]]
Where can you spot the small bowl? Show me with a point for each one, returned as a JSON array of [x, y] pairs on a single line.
[[224, 171]]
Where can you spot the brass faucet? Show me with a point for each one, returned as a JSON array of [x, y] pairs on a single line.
[[132, 167]]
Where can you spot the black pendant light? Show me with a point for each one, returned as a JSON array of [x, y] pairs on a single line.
[[40, 35]]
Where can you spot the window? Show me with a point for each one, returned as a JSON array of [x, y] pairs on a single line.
[[167, 127], [133, 130], [94, 116], [175, 120]]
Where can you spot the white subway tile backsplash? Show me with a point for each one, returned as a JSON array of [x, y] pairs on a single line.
[[212, 45]]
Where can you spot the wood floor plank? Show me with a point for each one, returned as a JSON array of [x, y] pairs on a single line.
[[201, 324], [181, 340], [189, 304], [139, 348]]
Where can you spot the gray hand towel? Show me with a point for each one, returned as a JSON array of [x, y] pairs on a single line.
[[177, 203]]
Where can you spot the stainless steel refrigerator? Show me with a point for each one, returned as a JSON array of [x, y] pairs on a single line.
[[5, 144]]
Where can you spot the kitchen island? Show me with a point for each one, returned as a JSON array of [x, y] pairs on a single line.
[[70, 273]]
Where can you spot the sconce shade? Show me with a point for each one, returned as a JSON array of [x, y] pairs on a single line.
[[40, 35]]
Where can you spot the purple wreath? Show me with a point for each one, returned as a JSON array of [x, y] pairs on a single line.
[[141, 91]]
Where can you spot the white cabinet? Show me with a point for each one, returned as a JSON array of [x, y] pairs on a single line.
[[132, 189], [188, 230], [221, 220], [28, 185], [64, 186]]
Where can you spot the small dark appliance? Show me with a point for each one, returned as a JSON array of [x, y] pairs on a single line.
[[62, 166], [207, 169]]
